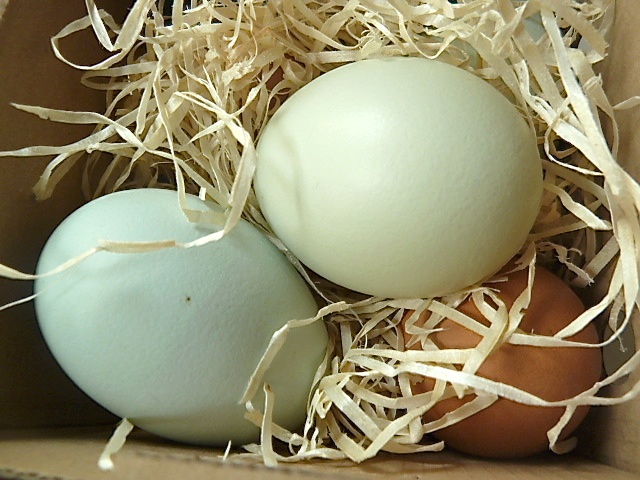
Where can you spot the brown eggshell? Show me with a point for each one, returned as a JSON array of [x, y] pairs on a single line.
[[508, 429]]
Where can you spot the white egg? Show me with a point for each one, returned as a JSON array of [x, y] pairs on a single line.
[[399, 177], [170, 338]]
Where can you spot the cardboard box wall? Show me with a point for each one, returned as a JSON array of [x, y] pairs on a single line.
[[48, 428]]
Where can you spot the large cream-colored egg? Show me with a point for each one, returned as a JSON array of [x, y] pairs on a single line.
[[170, 338], [399, 177]]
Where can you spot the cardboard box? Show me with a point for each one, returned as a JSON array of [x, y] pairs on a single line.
[[49, 429]]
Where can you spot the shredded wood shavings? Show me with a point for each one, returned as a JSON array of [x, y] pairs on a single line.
[[189, 92], [115, 444]]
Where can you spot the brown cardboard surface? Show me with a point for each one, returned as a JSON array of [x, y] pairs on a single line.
[[34, 392], [622, 80], [615, 432], [66, 454]]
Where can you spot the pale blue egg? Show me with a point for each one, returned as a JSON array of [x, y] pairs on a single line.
[[169, 339]]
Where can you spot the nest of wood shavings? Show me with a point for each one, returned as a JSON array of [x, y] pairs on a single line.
[[189, 88]]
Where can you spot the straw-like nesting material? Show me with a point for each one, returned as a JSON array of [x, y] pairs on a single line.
[[3, 7], [188, 94]]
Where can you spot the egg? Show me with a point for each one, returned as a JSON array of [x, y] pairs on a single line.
[[399, 177], [170, 338], [507, 429]]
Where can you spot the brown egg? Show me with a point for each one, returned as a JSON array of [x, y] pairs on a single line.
[[508, 429]]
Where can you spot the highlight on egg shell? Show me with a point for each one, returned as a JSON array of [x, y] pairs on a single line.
[[169, 339], [399, 177], [506, 428]]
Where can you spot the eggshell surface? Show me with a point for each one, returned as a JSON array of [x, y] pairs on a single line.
[[399, 177], [170, 338], [508, 429]]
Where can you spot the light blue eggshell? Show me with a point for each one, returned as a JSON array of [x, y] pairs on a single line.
[[170, 338]]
